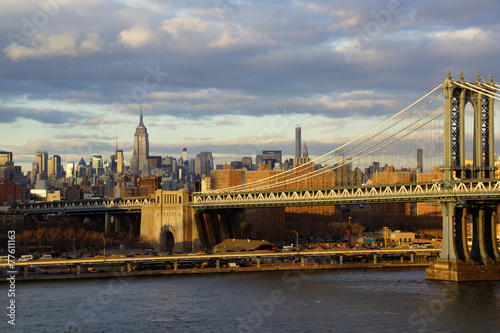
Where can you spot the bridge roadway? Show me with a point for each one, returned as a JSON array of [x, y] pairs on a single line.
[[130, 204], [222, 256], [436, 191]]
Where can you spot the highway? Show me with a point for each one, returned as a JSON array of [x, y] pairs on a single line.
[[118, 259]]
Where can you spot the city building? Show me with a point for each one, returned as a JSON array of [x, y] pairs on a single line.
[[297, 141], [119, 161], [420, 161], [203, 164], [41, 158], [431, 209], [54, 167], [139, 162], [271, 158], [5, 157], [388, 177]]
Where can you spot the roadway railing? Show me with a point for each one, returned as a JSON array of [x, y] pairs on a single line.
[[436, 191]]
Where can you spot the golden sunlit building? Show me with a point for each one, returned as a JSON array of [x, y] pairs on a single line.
[[429, 208], [391, 176]]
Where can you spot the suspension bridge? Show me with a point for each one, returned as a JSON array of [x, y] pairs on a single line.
[[456, 119], [453, 126]]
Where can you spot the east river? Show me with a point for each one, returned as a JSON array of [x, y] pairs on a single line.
[[360, 300]]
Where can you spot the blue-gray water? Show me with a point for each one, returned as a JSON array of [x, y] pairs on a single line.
[[324, 301]]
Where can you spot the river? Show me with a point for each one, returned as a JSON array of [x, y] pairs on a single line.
[[363, 300]]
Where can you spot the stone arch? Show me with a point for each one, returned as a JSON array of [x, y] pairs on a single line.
[[167, 239]]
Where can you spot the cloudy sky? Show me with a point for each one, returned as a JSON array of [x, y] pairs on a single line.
[[229, 76]]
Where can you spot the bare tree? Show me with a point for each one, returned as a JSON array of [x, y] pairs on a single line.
[[40, 235], [53, 234]]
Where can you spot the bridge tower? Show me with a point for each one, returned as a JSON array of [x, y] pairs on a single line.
[[456, 98], [457, 262], [168, 224]]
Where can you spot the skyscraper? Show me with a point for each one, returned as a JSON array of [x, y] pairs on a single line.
[[204, 163], [54, 167], [420, 160], [185, 154], [41, 158], [119, 161], [140, 155], [70, 167], [297, 141]]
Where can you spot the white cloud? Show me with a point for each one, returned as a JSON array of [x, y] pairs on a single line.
[[136, 36], [43, 46], [184, 23], [344, 19]]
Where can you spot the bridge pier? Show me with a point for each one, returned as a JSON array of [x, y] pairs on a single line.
[[107, 224], [118, 224], [455, 263]]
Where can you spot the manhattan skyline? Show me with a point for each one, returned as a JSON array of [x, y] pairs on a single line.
[[230, 77]]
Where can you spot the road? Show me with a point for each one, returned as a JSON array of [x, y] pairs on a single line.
[[226, 255]]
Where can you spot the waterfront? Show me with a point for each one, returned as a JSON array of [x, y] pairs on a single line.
[[328, 301]]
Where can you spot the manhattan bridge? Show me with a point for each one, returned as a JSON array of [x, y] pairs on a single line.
[[454, 122]]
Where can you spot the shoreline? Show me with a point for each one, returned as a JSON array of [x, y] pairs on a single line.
[[274, 268]]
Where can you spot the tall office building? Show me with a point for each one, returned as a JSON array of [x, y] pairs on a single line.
[[54, 167], [185, 154], [269, 158], [204, 163], [140, 155], [96, 162], [420, 160], [5, 157], [41, 158], [119, 161], [70, 168], [297, 141]]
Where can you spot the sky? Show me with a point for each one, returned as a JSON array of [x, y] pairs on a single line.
[[232, 77]]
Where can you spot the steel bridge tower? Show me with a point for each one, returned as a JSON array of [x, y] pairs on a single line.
[[456, 98], [457, 262]]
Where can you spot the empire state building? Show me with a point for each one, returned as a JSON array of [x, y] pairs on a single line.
[[139, 161]]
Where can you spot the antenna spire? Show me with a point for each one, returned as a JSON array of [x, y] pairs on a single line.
[[141, 123]]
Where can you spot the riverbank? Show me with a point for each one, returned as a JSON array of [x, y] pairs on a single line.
[[222, 270]]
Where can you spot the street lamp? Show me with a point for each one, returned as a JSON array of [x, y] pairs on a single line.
[[297, 240], [104, 242]]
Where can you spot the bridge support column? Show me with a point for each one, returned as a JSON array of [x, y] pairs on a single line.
[[107, 223], [455, 262], [484, 246], [176, 264], [302, 261], [341, 259], [129, 267], [412, 258], [78, 269], [448, 248], [122, 268], [217, 263], [118, 225], [258, 262], [374, 258], [208, 228], [223, 225]]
